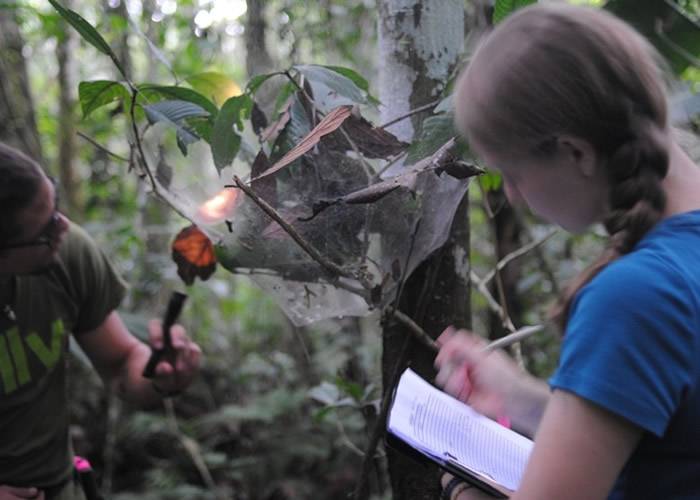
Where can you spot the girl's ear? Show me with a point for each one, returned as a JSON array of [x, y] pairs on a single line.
[[579, 153]]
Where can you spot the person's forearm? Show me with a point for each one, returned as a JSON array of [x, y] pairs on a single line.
[[526, 404], [131, 384]]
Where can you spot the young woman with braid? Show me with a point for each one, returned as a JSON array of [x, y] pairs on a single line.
[[568, 103]]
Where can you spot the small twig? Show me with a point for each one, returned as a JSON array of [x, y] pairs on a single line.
[[418, 333], [506, 341], [420, 109], [688, 56], [305, 94], [389, 164], [296, 84], [190, 445], [346, 439], [493, 303], [101, 147], [367, 166], [137, 140], [517, 253], [142, 156], [307, 247]]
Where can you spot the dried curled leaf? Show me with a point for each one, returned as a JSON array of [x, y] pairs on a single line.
[[370, 194], [330, 122], [193, 252], [460, 169]]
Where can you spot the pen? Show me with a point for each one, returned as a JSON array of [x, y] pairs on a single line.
[[514, 337], [175, 304]]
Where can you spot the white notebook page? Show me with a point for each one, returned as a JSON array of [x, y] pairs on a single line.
[[445, 427]]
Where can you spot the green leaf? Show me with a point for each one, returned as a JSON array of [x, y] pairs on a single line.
[[503, 8], [325, 393], [175, 113], [255, 82], [215, 86], [88, 32], [284, 94], [225, 142], [436, 131], [338, 83], [295, 130], [180, 94], [676, 37], [352, 388], [357, 79], [98, 93], [445, 106], [490, 181]]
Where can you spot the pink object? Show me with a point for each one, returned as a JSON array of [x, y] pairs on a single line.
[[81, 464], [504, 421]]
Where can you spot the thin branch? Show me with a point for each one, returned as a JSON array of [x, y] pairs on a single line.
[[190, 445], [142, 156], [420, 109], [506, 341], [101, 147], [346, 439], [517, 253], [493, 303], [418, 333], [289, 229], [389, 164], [688, 56], [363, 160], [137, 140]]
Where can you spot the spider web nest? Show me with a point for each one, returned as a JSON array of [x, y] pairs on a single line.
[[376, 227]]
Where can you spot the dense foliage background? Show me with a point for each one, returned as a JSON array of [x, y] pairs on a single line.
[[279, 412]]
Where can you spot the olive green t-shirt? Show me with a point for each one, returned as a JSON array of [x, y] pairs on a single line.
[[74, 295]]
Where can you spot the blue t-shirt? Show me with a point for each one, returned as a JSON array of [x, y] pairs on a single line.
[[632, 346]]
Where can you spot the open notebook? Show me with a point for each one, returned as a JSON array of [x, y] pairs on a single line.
[[459, 439]]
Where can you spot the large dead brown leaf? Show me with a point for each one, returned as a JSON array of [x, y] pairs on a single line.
[[330, 122]]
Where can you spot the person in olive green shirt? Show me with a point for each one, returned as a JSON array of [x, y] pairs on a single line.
[[54, 281]]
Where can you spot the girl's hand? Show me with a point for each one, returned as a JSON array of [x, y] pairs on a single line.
[[484, 380], [459, 490], [17, 493]]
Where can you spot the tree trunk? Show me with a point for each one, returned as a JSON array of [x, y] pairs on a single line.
[[18, 125], [507, 235], [69, 184], [258, 58], [419, 43]]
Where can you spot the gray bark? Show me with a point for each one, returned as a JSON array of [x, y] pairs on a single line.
[[419, 43], [66, 121], [18, 125], [258, 58]]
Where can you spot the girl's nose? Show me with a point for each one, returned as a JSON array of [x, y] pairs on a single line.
[[512, 193]]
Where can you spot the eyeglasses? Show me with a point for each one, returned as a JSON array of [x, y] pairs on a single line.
[[48, 233]]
